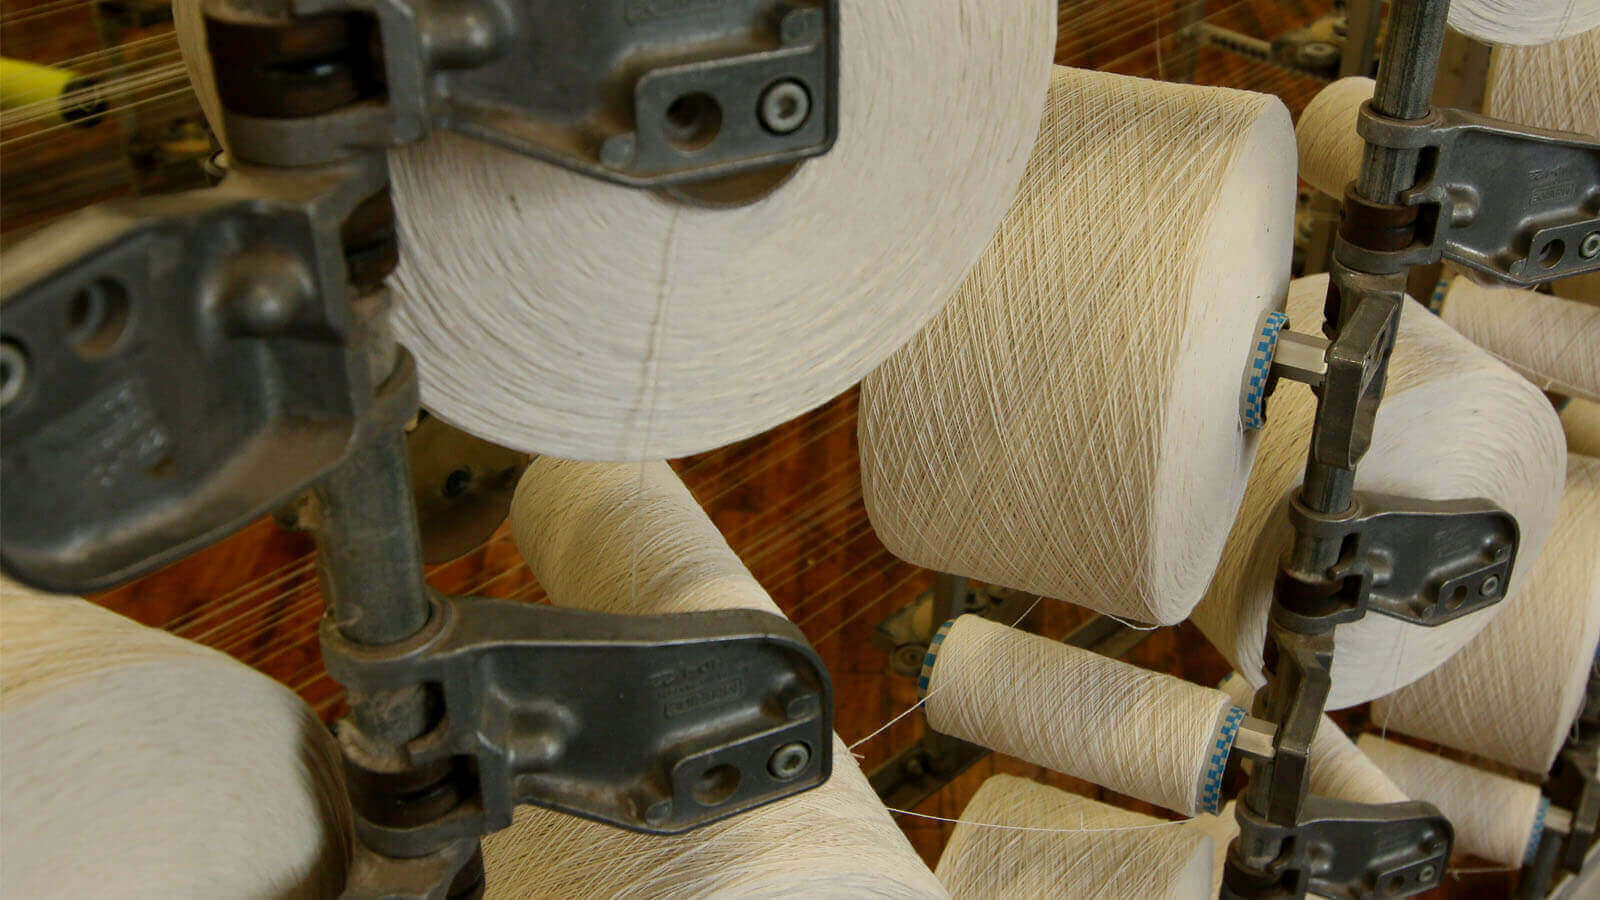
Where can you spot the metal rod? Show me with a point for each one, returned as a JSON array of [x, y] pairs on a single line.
[[369, 556], [1404, 90]]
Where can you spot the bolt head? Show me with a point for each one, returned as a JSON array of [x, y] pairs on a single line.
[[789, 761], [619, 150], [13, 372], [785, 106], [1590, 246]]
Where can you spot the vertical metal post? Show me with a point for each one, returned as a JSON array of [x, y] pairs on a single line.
[[369, 556], [1298, 683]]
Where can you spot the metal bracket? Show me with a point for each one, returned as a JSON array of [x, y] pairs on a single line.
[[178, 366], [1357, 367], [652, 723], [1512, 203], [1424, 561], [1340, 849], [648, 93]]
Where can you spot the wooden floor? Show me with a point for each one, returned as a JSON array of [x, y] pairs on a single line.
[[789, 502]]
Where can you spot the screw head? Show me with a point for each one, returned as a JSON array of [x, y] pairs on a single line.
[[618, 151], [13, 372], [785, 106], [1590, 246], [789, 760], [1489, 586]]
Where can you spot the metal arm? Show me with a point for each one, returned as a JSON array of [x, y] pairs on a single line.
[[176, 367]]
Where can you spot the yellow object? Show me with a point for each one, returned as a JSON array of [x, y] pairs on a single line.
[[25, 84]]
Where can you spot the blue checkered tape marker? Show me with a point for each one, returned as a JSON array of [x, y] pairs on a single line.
[[929, 657], [1211, 779], [1534, 833], [1253, 399]]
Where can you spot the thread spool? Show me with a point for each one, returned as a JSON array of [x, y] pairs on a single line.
[[1580, 420], [555, 313], [1140, 733], [1329, 148], [1454, 423], [631, 539], [1552, 342], [1523, 21], [982, 860], [1549, 86], [139, 760], [1496, 818], [1069, 424], [1511, 695], [1338, 769], [70, 96]]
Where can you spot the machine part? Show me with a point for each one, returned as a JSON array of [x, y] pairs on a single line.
[[905, 634], [655, 93], [1423, 561], [653, 723], [1513, 203], [1340, 849], [462, 487], [117, 461], [1357, 364], [1289, 842], [922, 769]]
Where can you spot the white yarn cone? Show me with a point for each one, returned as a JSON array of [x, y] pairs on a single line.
[[1496, 818], [1454, 423], [142, 765], [1512, 693], [1552, 86], [1523, 21], [1552, 342], [1141, 733], [1330, 149], [1069, 424], [631, 539], [1338, 769], [1084, 848], [1580, 419], [557, 313]]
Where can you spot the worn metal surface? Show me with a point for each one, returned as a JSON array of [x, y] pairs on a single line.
[[638, 92], [1341, 849], [653, 723], [118, 459]]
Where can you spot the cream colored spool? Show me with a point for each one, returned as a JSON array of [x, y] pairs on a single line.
[[1330, 149], [1496, 818], [1454, 424], [1580, 420], [1552, 86], [1523, 21], [1552, 342], [1141, 733], [142, 765], [1019, 838], [631, 539], [557, 313], [1338, 769], [1069, 424], [1511, 695]]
